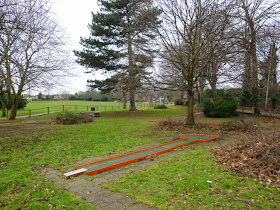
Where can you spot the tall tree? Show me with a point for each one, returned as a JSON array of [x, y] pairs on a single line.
[[30, 48], [185, 35], [268, 71], [2, 99], [120, 40], [253, 16]]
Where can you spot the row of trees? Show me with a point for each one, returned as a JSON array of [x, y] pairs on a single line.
[[197, 43], [192, 43], [31, 49]]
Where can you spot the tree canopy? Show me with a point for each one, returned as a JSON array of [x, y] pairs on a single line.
[[121, 36]]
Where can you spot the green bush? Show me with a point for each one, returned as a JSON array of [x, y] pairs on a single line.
[[179, 101], [222, 107], [21, 103], [68, 118], [160, 107], [274, 100]]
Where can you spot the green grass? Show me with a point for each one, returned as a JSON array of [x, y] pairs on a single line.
[[178, 183], [61, 145], [35, 107], [182, 182]]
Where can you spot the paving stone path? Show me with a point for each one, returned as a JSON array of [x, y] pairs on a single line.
[[90, 187], [93, 193], [33, 115]]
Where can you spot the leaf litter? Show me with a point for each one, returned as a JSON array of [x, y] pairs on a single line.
[[256, 156]]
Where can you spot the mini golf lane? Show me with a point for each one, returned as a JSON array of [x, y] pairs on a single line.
[[117, 161], [7, 122]]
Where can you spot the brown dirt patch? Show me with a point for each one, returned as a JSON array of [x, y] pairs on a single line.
[[24, 129]]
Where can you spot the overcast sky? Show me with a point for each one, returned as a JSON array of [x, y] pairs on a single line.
[[74, 16]]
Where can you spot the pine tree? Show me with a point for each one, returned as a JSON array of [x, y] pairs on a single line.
[[121, 40]]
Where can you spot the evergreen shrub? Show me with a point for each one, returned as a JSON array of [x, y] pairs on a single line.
[[179, 101], [223, 107], [21, 103]]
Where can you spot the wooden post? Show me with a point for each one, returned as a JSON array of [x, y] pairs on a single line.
[[253, 110], [242, 109], [96, 108], [87, 108], [269, 112]]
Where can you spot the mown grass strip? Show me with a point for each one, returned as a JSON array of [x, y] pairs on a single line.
[[26, 146], [192, 180]]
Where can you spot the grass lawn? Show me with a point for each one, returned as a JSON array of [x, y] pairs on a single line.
[[54, 106], [178, 183], [25, 146], [193, 180]]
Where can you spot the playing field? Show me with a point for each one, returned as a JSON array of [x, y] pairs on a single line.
[[34, 107]]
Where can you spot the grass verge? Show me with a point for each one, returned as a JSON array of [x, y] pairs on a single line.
[[26, 146], [192, 180]]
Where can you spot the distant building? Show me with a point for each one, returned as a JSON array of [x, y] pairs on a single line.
[[61, 97], [29, 97]]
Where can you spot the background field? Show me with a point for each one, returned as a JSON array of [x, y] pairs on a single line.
[[35, 107]]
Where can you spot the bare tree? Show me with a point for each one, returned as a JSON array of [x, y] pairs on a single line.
[[268, 50], [185, 34], [167, 77], [252, 17], [31, 48]]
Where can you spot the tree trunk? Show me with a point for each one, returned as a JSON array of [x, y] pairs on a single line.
[[255, 72], [124, 100], [252, 50], [14, 108], [214, 90], [190, 118], [131, 73], [132, 100], [247, 74], [213, 79], [201, 96], [2, 96], [199, 101]]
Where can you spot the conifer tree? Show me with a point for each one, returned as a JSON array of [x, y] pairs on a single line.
[[120, 41]]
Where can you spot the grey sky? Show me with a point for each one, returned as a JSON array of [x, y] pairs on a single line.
[[74, 16]]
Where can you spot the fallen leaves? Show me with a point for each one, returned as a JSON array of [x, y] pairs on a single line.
[[260, 160]]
